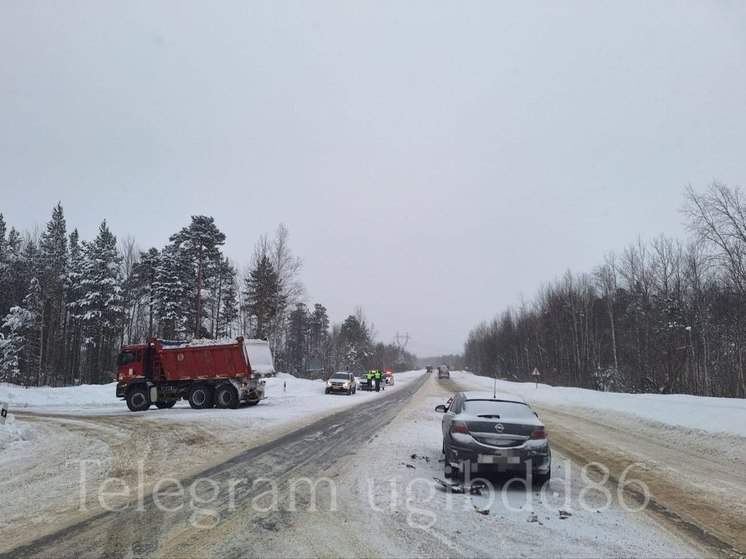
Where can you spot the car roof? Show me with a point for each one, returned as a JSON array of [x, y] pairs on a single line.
[[497, 396]]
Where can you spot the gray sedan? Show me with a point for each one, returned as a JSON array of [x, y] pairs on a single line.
[[497, 432]]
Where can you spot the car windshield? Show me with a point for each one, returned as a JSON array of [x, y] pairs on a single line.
[[340, 376], [495, 408]]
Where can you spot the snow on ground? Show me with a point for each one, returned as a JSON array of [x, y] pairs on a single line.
[[288, 399], [714, 415], [49, 430], [53, 425], [386, 489]]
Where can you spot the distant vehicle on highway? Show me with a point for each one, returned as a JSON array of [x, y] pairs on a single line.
[[341, 381], [497, 432], [443, 371], [388, 374]]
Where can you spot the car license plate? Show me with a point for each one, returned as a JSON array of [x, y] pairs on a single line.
[[497, 458], [500, 458]]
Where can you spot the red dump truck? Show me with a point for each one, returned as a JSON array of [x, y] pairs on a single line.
[[207, 373]]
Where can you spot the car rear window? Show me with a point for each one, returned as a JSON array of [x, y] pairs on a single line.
[[491, 407]]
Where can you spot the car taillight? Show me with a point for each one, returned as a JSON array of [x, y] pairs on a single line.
[[459, 427], [539, 434]]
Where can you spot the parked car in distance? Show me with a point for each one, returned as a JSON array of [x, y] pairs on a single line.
[[341, 381], [388, 374], [365, 384], [494, 432], [443, 372]]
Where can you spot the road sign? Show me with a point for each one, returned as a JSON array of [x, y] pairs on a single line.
[[536, 373], [3, 413]]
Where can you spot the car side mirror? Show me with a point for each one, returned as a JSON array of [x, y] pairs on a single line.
[[441, 408]]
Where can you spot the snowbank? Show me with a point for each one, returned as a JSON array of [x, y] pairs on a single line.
[[85, 395], [714, 415]]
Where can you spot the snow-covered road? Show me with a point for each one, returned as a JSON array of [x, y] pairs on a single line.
[[386, 503]]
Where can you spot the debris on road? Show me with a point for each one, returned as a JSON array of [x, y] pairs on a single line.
[[563, 514], [473, 489]]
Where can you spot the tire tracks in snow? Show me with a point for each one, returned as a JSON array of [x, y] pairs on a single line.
[[691, 488], [697, 508], [147, 530]]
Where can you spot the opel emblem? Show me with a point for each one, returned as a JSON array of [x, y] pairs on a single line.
[[499, 427]]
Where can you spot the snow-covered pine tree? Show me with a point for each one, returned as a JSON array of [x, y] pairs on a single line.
[[18, 274], [318, 329], [32, 320], [174, 277], [223, 304], [355, 343], [296, 345], [12, 344], [264, 297], [144, 275], [200, 241], [73, 295], [53, 260], [4, 268], [101, 303]]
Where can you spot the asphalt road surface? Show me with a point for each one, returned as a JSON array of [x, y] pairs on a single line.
[[218, 511]]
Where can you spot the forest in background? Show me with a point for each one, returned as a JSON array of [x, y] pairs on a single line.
[[665, 316], [67, 305]]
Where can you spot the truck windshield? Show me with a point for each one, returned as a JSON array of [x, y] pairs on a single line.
[[126, 357]]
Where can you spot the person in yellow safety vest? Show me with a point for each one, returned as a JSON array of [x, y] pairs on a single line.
[[378, 380], [369, 376]]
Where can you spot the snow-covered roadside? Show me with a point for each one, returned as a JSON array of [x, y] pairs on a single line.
[[688, 451], [288, 398], [713, 415], [50, 429]]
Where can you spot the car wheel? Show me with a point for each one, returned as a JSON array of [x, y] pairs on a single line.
[[538, 480]]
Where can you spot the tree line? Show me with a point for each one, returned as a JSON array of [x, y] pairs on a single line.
[[67, 305], [664, 316]]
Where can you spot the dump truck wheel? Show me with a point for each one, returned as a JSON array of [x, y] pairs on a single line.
[[200, 397], [138, 399], [226, 397]]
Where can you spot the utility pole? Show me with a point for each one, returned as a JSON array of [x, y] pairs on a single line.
[[401, 344]]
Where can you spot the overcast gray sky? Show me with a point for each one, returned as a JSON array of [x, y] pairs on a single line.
[[433, 161]]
